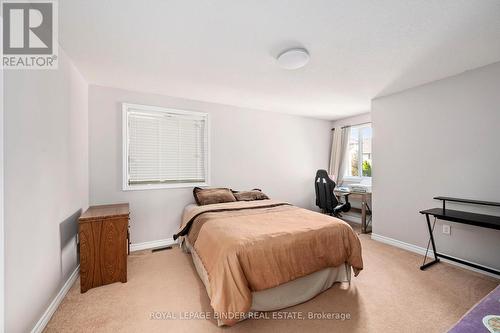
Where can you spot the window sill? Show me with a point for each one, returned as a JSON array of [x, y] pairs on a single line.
[[142, 187], [357, 180]]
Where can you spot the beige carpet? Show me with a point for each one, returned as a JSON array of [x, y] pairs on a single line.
[[390, 295]]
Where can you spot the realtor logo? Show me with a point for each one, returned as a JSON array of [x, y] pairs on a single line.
[[29, 34]]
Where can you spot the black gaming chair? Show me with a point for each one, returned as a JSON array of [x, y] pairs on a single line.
[[325, 198]]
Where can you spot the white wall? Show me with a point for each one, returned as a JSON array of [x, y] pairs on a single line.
[[2, 220], [275, 152], [2, 233], [46, 184], [439, 139]]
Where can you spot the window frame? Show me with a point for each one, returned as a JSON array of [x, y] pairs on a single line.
[[360, 153], [125, 147]]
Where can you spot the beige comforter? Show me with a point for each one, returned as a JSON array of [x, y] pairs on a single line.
[[256, 245]]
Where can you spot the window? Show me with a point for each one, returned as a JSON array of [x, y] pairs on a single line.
[[359, 152], [164, 148]]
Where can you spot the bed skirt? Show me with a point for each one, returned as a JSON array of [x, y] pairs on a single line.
[[287, 294]]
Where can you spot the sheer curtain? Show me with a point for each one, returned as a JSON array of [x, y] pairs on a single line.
[[338, 161]]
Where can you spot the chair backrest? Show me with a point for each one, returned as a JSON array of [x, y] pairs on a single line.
[[325, 199]]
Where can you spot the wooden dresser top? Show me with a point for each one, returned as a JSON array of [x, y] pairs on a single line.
[[105, 211]]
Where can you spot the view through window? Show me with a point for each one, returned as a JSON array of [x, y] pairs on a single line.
[[360, 152]]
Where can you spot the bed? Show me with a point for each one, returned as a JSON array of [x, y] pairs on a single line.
[[266, 255]]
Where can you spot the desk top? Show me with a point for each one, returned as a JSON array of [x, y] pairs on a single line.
[[350, 192], [105, 211], [480, 220], [475, 202]]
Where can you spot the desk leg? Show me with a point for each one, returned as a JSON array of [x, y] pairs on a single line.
[[431, 234], [363, 214]]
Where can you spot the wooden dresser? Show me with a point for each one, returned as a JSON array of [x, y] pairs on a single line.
[[103, 234]]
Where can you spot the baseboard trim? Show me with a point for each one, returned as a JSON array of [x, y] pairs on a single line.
[[421, 251], [152, 244], [44, 320]]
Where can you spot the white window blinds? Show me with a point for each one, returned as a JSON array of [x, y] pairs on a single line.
[[165, 148]]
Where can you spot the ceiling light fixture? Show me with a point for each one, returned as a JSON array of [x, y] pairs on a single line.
[[293, 58]]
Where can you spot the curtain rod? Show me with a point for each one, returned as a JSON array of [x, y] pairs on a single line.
[[368, 122]]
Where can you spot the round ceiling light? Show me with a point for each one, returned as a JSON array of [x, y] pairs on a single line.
[[293, 58]]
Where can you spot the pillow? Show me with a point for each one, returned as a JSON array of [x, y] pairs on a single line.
[[255, 194], [210, 196]]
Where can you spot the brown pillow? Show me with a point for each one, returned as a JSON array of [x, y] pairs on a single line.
[[210, 196], [255, 194]]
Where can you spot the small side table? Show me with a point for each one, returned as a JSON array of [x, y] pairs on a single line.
[[104, 244]]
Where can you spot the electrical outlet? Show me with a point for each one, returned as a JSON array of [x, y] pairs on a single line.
[[446, 229]]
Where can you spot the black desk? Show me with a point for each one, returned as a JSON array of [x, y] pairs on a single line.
[[480, 220]]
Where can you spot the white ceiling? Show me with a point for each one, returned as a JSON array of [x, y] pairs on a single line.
[[224, 50]]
